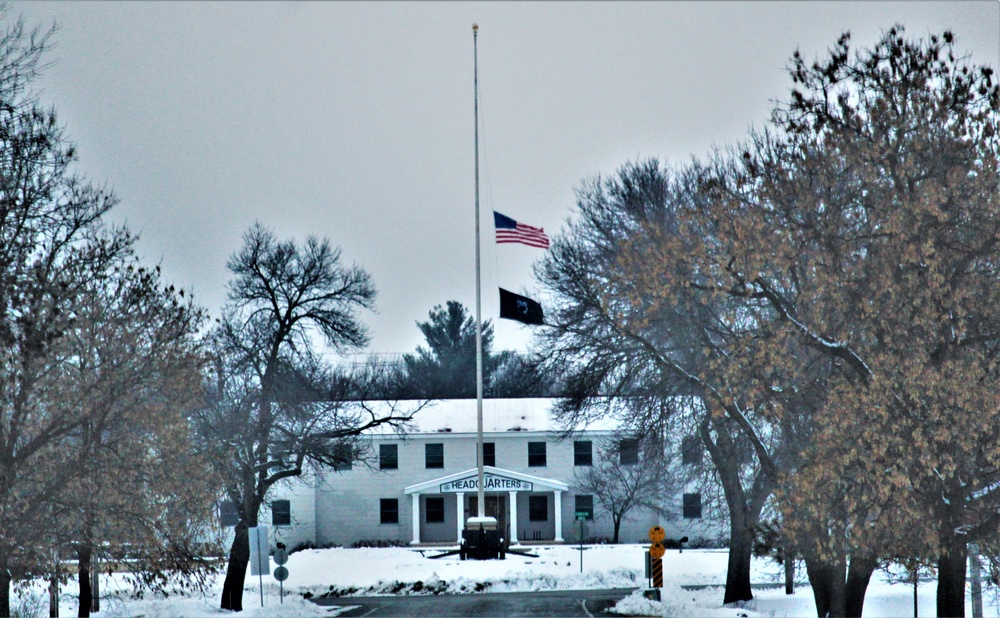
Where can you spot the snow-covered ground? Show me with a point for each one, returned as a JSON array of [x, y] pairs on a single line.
[[389, 570]]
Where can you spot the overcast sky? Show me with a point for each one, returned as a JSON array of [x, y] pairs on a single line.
[[354, 121]]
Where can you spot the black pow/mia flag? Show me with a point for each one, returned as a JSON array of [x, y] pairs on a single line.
[[521, 308]]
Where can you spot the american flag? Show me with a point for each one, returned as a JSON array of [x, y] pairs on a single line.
[[509, 230]]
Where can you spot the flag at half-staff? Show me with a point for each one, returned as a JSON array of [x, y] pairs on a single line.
[[521, 308], [511, 231]]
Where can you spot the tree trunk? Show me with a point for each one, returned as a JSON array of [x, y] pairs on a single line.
[[827, 581], [54, 597], [95, 587], [738, 568], [744, 507], [858, 576], [819, 580], [617, 521], [83, 554], [976, 590], [236, 570], [951, 577], [789, 574], [4, 587]]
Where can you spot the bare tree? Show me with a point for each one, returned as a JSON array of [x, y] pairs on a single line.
[[135, 357], [53, 244], [863, 224], [629, 473], [275, 405], [625, 344]]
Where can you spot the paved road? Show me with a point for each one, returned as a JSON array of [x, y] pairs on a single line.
[[498, 604]]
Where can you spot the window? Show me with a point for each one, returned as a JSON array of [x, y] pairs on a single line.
[[585, 504], [692, 506], [489, 454], [281, 452], [343, 456], [583, 453], [538, 508], [536, 454], [388, 456], [434, 509], [228, 513], [389, 511], [628, 452], [281, 513], [434, 455], [691, 451]]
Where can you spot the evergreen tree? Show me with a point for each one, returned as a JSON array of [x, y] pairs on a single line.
[[446, 368]]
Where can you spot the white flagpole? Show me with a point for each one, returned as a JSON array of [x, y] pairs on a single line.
[[481, 502]]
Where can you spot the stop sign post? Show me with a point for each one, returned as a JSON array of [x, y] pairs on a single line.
[[281, 573], [656, 551]]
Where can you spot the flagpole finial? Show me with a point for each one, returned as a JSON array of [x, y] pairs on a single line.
[[475, 27]]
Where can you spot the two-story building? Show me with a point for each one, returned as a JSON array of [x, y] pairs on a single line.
[[420, 486]]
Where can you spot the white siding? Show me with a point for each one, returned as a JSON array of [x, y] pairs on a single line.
[[343, 507]]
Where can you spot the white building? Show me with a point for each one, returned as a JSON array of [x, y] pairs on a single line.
[[419, 487]]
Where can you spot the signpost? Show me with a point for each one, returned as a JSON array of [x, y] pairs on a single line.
[[581, 516], [281, 573], [260, 563], [656, 551]]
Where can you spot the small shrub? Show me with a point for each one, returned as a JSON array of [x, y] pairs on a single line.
[[767, 540], [28, 604], [310, 545], [379, 543], [704, 542]]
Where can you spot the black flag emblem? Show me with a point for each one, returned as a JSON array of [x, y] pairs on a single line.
[[520, 308]]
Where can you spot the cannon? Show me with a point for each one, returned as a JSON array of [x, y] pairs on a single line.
[[482, 541]]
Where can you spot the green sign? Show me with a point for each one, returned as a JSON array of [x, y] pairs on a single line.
[[581, 515]]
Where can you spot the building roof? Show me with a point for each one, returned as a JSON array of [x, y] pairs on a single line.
[[499, 416], [534, 483]]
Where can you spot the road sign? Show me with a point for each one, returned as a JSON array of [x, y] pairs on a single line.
[[259, 564], [657, 534], [657, 573], [281, 573], [656, 551], [581, 515]]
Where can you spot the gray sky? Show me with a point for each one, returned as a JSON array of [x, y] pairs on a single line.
[[354, 121]]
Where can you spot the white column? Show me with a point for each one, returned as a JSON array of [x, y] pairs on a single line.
[[513, 518], [558, 505], [460, 514], [416, 519]]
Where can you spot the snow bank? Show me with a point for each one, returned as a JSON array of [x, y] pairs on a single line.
[[374, 571]]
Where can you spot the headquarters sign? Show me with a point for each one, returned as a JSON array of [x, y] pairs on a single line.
[[491, 482]]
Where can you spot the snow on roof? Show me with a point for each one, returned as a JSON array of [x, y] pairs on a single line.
[[499, 416]]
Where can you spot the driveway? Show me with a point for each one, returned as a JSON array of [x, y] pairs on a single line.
[[498, 604]]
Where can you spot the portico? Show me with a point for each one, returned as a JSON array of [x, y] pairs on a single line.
[[502, 489]]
